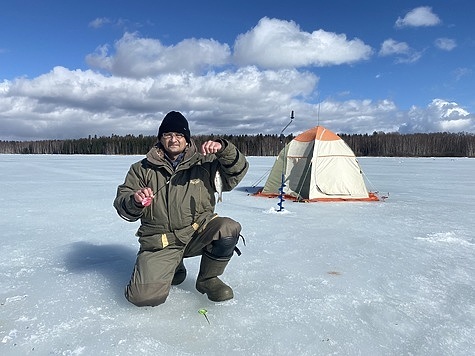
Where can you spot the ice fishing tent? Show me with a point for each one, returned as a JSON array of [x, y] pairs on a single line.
[[317, 165]]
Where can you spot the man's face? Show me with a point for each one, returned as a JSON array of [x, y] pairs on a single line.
[[174, 143]]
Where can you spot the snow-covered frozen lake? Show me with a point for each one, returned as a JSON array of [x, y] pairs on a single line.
[[386, 278]]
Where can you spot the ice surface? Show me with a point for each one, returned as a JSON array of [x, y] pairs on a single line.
[[386, 278]]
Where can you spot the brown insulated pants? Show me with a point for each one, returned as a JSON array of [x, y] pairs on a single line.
[[154, 270]]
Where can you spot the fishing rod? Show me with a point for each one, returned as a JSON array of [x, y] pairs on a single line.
[[284, 165], [282, 137]]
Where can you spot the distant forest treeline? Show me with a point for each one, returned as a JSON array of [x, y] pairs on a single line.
[[378, 144]]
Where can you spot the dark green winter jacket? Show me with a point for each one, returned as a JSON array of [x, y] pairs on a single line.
[[184, 198]]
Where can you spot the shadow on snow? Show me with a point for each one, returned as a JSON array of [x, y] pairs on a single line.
[[115, 262]]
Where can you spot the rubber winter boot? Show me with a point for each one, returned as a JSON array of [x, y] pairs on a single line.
[[180, 274], [208, 281]]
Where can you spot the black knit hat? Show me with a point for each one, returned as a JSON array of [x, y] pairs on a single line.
[[174, 122]]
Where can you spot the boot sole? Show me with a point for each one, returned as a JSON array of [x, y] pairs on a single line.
[[216, 299]]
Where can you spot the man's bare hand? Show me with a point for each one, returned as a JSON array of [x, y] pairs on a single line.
[[210, 147], [143, 196]]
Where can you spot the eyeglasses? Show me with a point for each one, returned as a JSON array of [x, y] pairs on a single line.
[[169, 135]]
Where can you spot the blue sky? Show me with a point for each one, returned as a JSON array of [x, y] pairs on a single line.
[[76, 68]]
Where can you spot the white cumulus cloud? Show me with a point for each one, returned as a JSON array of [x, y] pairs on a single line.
[[439, 116], [70, 104], [275, 43], [445, 44], [138, 57], [401, 50], [420, 16]]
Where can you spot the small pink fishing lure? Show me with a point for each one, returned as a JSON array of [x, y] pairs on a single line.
[[147, 201]]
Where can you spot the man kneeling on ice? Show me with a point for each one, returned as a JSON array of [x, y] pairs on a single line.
[[172, 191]]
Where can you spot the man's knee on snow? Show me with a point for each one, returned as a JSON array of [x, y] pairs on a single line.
[[147, 295]]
